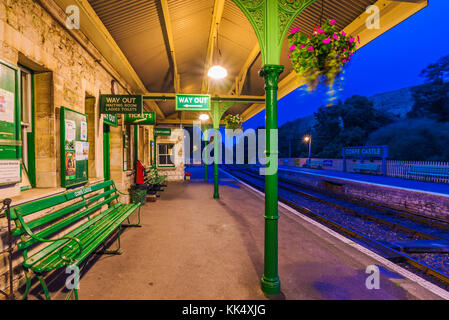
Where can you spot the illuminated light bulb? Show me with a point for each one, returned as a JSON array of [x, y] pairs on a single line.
[[217, 72]]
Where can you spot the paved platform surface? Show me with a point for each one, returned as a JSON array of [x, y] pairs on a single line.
[[431, 187], [194, 247]]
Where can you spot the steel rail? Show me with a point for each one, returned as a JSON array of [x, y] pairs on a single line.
[[391, 254], [367, 216]]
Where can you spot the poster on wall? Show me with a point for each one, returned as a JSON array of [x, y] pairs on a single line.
[[83, 131], [10, 142], [9, 172], [6, 106], [74, 148]]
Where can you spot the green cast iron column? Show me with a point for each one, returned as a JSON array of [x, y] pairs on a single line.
[[205, 164], [136, 145], [216, 158], [270, 279]]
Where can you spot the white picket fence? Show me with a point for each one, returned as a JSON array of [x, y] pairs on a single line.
[[395, 168], [400, 169]]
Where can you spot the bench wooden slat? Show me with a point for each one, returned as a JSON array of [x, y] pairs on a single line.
[[61, 212], [29, 262], [39, 205], [90, 239], [66, 222]]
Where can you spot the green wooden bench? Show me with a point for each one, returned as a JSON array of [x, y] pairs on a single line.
[[367, 167], [429, 171], [152, 177], [57, 213]]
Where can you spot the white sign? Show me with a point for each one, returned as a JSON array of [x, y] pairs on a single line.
[[6, 106], [9, 171], [82, 151], [70, 130], [84, 131]]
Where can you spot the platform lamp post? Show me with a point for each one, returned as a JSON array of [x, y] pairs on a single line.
[[271, 20], [218, 109], [203, 118], [308, 140]]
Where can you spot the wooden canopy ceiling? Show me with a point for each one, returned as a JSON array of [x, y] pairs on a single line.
[[170, 44]]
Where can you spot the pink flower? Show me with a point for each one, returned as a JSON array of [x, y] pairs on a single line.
[[358, 39], [292, 47], [319, 30], [295, 30], [351, 40], [302, 46], [344, 49], [333, 21], [335, 36], [344, 60], [326, 41], [310, 48], [343, 33]]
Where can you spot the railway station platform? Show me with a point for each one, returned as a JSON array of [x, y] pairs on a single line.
[[416, 197], [193, 247], [398, 183]]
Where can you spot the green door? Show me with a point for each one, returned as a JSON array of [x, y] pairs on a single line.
[[106, 152]]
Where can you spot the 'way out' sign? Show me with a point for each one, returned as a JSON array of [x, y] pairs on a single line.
[[185, 102], [120, 104]]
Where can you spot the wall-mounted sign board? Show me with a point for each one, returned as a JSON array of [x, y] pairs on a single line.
[[110, 119], [121, 104], [9, 172], [366, 152], [162, 132], [187, 102], [74, 148], [10, 142], [148, 118]]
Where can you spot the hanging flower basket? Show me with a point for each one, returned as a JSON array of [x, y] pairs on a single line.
[[233, 122], [321, 55]]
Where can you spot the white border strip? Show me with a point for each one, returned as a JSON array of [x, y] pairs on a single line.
[[392, 266], [367, 182]]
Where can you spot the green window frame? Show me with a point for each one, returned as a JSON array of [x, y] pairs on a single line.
[[165, 155]]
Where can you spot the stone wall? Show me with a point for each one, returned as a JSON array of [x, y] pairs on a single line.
[[68, 75], [175, 173]]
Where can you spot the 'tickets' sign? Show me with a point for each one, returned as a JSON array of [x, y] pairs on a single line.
[[121, 104], [186, 102], [148, 118]]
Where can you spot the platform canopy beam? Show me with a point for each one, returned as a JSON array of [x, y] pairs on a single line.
[[271, 20]]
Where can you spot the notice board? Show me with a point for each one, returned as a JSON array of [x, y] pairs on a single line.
[[74, 148], [10, 143]]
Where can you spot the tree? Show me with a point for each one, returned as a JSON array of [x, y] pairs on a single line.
[[432, 99], [435, 72], [414, 139], [346, 124]]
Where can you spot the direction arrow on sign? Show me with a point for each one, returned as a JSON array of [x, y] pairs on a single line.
[[189, 102]]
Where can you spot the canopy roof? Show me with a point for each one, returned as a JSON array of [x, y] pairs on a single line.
[[167, 46]]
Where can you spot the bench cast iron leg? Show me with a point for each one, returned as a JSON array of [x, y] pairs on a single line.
[[113, 252], [28, 284], [44, 286], [129, 225]]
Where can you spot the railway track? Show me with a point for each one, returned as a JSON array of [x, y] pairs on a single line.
[[415, 227]]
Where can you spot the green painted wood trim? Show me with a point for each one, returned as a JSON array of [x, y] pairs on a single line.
[[64, 183], [106, 152], [31, 139]]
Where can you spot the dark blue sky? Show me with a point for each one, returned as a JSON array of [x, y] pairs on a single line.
[[392, 61]]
